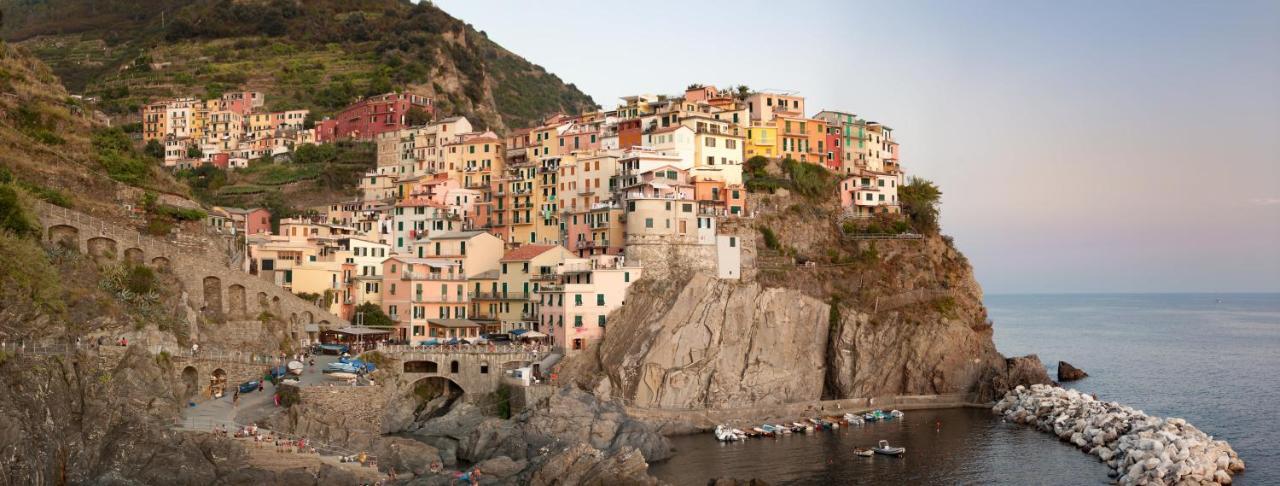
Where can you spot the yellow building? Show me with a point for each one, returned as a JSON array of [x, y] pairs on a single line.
[[762, 140], [522, 272]]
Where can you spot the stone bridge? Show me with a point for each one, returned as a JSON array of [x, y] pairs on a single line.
[[221, 293], [476, 371]]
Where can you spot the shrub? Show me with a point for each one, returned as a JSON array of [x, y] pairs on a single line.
[[920, 198], [373, 315], [140, 279], [13, 216], [116, 154], [770, 239]]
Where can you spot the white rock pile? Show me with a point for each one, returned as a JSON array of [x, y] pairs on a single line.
[[1141, 449]]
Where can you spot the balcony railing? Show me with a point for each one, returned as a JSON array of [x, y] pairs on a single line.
[[431, 276], [447, 298], [498, 295]]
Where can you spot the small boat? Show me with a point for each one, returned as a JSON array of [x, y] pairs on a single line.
[[726, 434], [770, 428], [342, 375], [863, 451], [803, 427], [295, 367], [896, 414], [888, 450], [762, 432], [290, 381], [853, 419]]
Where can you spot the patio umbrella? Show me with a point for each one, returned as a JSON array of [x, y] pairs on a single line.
[[532, 335]]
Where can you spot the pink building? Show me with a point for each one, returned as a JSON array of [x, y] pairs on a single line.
[[416, 291], [369, 117], [575, 310], [869, 192]]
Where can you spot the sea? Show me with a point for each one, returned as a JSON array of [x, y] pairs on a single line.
[[1213, 359]]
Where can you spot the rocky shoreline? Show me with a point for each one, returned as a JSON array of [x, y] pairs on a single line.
[[1139, 448]]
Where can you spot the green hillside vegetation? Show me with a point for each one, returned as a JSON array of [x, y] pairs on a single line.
[[320, 56]]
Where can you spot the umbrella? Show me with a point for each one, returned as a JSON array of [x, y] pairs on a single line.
[[430, 342], [532, 335], [517, 332]]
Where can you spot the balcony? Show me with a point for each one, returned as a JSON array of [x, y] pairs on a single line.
[[436, 299], [410, 276], [582, 245], [498, 295]]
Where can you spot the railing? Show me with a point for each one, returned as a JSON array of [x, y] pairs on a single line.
[[498, 295], [536, 349], [420, 298], [408, 276]]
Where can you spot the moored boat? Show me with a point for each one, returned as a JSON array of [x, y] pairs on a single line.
[[896, 414], [884, 448], [863, 451]]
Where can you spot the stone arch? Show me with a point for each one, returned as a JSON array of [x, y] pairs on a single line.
[[293, 318], [134, 256], [235, 301], [64, 235], [218, 382], [160, 263], [102, 249], [308, 318], [454, 367], [213, 295], [191, 380], [421, 367], [324, 324], [435, 395], [264, 304], [275, 305]]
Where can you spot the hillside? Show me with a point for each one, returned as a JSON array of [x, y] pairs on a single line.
[[319, 57]]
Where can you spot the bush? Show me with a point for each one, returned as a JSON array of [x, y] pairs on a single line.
[[770, 239], [920, 198], [13, 216], [116, 154], [373, 315], [154, 148]]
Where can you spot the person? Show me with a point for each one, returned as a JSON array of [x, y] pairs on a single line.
[[259, 386], [937, 425], [276, 398], [235, 399], [195, 349]]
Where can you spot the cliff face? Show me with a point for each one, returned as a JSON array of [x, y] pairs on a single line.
[[907, 321], [708, 343]]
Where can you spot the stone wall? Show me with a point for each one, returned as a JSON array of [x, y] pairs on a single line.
[[219, 292], [347, 416]]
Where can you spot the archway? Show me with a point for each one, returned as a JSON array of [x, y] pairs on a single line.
[[453, 367], [134, 256], [65, 236], [235, 301], [191, 380], [213, 296], [160, 263], [218, 383], [264, 304], [307, 318], [434, 396], [103, 250], [421, 367], [275, 305]]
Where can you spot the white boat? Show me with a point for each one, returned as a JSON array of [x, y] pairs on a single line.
[[342, 375], [726, 434], [803, 427], [896, 413], [863, 451], [290, 381], [888, 450], [295, 367], [853, 419]]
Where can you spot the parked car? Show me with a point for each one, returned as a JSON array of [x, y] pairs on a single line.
[[249, 386]]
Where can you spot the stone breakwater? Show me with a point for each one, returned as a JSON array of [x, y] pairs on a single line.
[[1141, 449]]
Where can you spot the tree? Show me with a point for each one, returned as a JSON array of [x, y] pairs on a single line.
[[920, 198], [154, 148], [373, 315], [743, 92], [417, 117], [194, 152]]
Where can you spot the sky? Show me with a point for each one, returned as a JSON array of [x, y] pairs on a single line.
[[1081, 146]]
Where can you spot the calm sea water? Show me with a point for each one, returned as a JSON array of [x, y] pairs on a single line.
[[1216, 363]]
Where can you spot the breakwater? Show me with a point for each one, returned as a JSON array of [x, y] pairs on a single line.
[[1140, 449]]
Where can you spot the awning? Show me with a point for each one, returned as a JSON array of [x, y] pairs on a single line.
[[453, 323], [533, 335], [362, 331], [517, 332]]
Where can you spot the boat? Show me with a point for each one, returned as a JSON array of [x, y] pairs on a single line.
[[863, 451], [870, 417], [290, 381], [726, 434], [762, 432], [341, 375], [295, 367], [896, 414], [888, 450], [853, 419], [803, 427]]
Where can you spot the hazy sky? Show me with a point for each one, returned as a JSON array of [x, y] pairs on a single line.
[[1081, 146]]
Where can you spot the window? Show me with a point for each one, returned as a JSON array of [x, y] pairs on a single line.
[[599, 299], [577, 300], [733, 242], [504, 269], [687, 207], [626, 277], [648, 222], [710, 142], [600, 320], [577, 321]]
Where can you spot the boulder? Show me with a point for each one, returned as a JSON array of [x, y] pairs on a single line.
[[404, 455], [585, 465], [1066, 372], [501, 467]]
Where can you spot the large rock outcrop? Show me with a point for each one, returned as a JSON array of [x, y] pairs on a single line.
[[714, 343]]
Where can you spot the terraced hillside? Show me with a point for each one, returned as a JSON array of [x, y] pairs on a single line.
[[319, 55]]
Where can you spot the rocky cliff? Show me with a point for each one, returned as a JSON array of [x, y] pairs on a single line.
[[865, 318]]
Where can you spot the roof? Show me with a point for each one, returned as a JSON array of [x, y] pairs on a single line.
[[450, 119], [453, 322], [432, 262], [487, 275], [526, 252], [455, 235]]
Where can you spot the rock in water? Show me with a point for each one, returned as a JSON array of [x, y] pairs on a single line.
[[1066, 372]]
